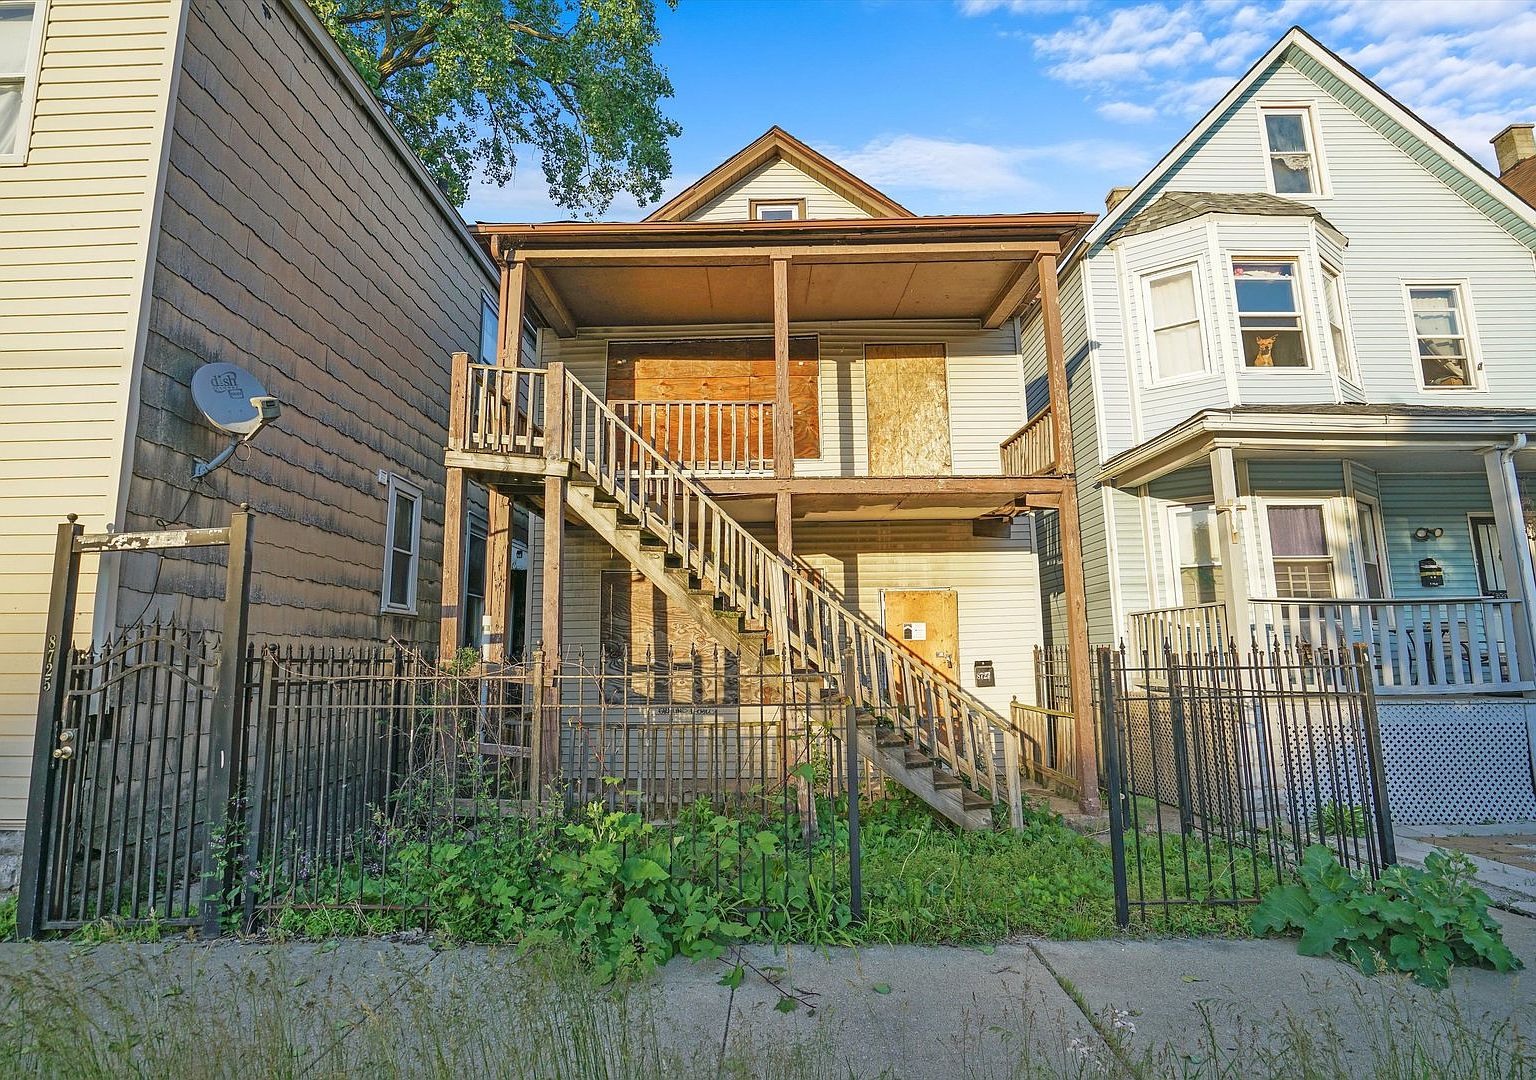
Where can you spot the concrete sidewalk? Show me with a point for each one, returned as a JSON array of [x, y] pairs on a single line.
[[1026, 1008]]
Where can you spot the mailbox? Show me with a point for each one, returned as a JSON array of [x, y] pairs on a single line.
[[985, 675], [1431, 573]]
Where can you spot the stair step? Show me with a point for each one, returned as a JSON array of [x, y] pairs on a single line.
[[889, 740], [944, 780], [672, 560], [651, 542], [974, 800], [916, 759]]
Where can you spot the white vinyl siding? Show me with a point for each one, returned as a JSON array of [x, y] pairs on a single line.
[[778, 182], [75, 241]]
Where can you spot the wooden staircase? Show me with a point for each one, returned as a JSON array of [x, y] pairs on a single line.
[[921, 727]]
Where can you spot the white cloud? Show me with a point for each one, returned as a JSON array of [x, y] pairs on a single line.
[[1127, 112], [1464, 66], [1019, 7]]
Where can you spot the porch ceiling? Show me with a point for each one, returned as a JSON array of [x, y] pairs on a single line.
[[701, 273]]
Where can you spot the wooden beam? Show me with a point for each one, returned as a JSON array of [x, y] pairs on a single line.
[[855, 486], [1021, 286], [811, 254], [1079, 655], [498, 573], [1055, 363], [784, 524], [548, 301], [451, 608], [458, 402], [551, 615], [514, 300], [783, 411]]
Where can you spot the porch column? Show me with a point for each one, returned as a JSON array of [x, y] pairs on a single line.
[[451, 602], [1519, 574], [783, 523], [498, 540], [1079, 654], [1229, 544], [783, 414]]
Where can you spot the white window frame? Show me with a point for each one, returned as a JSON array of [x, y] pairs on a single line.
[[399, 485], [1477, 569], [31, 73], [1384, 560], [1338, 533], [1346, 365], [1308, 337], [794, 207], [1149, 327], [1173, 564], [1468, 332], [1307, 110]]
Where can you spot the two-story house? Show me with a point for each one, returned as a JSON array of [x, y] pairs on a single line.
[[787, 400], [1302, 356]]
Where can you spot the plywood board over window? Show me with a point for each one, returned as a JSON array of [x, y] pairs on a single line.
[[721, 369], [906, 401], [657, 646]]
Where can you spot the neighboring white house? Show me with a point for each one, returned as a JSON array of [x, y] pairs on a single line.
[[1302, 354]]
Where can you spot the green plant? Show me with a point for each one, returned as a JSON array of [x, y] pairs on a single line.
[[1341, 819], [7, 918], [1419, 921]]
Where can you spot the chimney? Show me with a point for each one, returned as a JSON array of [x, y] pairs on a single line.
[[1116, 194], [1516, 150]]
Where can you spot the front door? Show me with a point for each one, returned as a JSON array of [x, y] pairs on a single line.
[[1489, 555], [906, 409], [927, 621]]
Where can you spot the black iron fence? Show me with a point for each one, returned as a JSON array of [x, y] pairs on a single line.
[[349, 770], [1223, 768]]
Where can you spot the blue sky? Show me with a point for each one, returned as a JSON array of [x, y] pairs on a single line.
[[995, 106]]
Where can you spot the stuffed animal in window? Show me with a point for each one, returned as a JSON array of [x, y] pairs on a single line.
[[1265, 357]]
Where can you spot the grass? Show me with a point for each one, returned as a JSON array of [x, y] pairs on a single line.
[[321, 1012]]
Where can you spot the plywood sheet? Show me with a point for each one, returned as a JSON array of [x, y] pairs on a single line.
[[927, 621], [906, 401], [724, 369], [665, 654]]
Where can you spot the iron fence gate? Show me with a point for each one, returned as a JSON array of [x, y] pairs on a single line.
[[1223, 768]]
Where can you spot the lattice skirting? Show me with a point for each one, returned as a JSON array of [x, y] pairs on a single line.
[[1460, 762]]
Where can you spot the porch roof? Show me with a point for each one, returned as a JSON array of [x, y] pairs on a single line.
[[1332, 429], [668, 273]]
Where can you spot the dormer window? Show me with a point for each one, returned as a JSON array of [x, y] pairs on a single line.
[[779, 210], [1292, 156]]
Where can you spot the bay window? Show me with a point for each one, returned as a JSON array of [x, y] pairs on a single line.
[[1177, 348]]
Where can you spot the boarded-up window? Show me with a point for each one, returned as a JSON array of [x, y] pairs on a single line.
[[657, 651], [722, 369]]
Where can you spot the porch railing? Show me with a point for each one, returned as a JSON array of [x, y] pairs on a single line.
[[1417, 646], [502, 410], [1047, 745], [1031, 451], [1190, 630], [705, 436]]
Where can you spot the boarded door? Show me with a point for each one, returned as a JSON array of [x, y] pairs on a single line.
[[906, 403], [927, 621]]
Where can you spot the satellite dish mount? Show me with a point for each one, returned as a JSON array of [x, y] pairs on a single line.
[[233, 401]]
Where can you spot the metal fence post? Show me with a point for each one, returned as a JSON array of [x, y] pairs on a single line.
[[1108, 724], [1380, 804], [50, 701], [851, 757], [226, 743], [1177, 720], [260, 723]]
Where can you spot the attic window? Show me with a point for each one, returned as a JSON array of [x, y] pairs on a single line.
[[781, 210], [1292, 157]]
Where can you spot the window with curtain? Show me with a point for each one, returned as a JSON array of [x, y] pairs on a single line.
[[1444, 353], [19, 41], [1197, 554], [1177, 348], [1269, 313], [1292, 162], [1303, 561]]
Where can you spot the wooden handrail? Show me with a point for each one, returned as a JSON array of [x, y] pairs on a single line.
[[931, 711], [1031, 451], [704, 436]]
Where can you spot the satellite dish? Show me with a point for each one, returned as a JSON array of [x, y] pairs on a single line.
[[231, 399]]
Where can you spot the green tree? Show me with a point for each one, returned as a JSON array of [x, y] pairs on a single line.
[[469, 81]]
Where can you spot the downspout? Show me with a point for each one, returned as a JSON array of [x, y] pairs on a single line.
[[1510, 515]]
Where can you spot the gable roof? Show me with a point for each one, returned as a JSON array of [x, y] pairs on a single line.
[[1172, 207], [776, 144], [1461, 173]]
